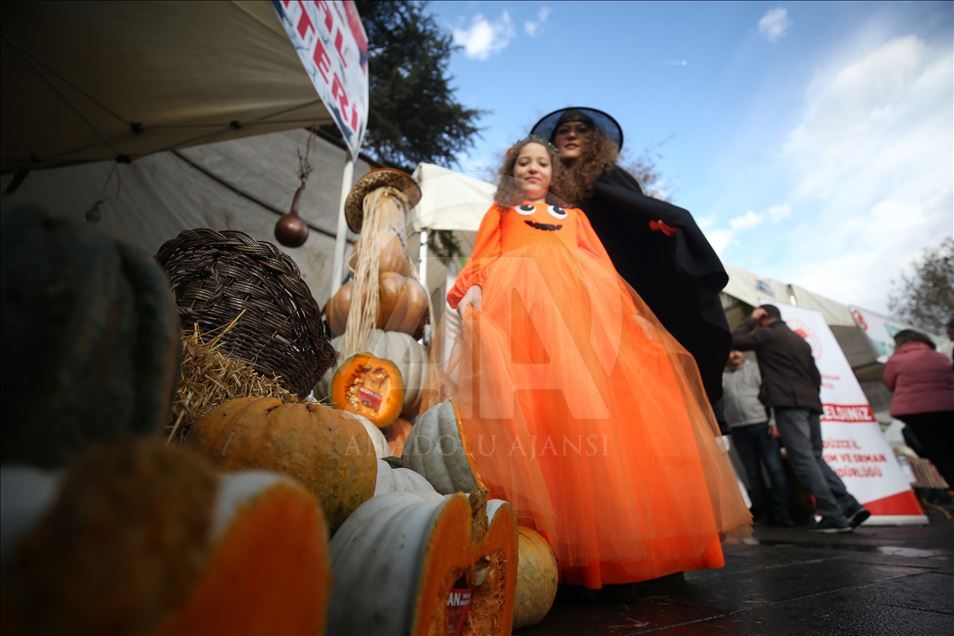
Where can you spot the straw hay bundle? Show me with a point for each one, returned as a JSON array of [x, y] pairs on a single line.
[[208, 378]]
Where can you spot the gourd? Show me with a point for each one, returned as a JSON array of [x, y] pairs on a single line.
[[370, 387], [436, 449], [406, 353], [90, 338], [326, 450], [391, 256], [144, 538], [403, 559], [536, 578], [402, 306]]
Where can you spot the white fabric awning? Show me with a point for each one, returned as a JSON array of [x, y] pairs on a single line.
[[449, 200], [90, 81]]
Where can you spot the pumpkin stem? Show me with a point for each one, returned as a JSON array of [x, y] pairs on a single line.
[[478, 514]]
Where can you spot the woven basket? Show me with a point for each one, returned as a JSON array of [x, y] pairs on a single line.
[[216, 275]]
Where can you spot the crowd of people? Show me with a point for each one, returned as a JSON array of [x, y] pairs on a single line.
[[593, 354]]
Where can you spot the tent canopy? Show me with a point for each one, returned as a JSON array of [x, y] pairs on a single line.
[[449, 200], [93, 81]]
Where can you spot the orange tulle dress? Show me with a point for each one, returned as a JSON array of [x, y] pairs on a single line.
[[580, 409]]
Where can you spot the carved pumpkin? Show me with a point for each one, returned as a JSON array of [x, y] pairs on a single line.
[[406, 353], [325, 449], [390, 253], [148, 539], [435, 448], [370, 387], [403, 558], [536, 578], [402, 305], [90, 338]]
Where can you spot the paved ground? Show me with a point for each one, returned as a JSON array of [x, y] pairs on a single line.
[[878, 580]]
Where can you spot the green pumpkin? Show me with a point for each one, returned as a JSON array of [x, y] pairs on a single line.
[[90, 338]]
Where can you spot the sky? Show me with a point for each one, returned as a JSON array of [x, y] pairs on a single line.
[[812, 142]]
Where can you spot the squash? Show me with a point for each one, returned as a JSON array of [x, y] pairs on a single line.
[[325, 449], [378, 441], [391, 480], [148, 539], [403, 304], [406, 353], [370, 387], [406, 563], [536, 578], [435, 448], [396, 436], [90, 338], [336, 311], [391, 255]]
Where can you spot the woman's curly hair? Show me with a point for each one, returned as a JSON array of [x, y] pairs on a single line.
[[598, 156], [508, 192]]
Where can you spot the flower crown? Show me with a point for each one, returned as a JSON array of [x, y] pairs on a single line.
[[534, 139]]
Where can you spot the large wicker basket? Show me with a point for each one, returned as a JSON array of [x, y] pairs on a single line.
[[216, 275]]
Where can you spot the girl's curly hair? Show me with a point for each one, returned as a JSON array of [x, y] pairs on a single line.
[[508, 192], [575, 181]]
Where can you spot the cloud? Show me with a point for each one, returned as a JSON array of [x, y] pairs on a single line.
[[721, 238], [532, 27], [748, 220], [778, 213], [484, 37], [871, 160], [774, 24]]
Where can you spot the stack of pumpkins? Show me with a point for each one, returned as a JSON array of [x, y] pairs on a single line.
[[380, 373], [161, 542]]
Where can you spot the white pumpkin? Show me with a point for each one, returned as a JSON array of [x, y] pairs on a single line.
[[378, 440], [391, 480], [435, 449], [396, 559]]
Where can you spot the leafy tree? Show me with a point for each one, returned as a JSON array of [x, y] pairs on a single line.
[[926, 298], [414, 115], [644, 168]]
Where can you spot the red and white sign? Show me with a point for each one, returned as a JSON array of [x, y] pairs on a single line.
[[333, 47], [854, 445]]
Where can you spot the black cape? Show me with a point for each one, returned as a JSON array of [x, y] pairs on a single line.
[[678, 276]]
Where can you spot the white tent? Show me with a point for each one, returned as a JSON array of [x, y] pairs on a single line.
[[94, 81]]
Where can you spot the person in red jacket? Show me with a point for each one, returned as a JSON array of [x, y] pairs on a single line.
[[923, 384]]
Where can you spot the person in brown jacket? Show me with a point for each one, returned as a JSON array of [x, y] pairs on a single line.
[[790, 386]]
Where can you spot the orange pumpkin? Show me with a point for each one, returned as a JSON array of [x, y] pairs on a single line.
[[336, 311], [396, 435], [325, 449], [402, 304], [148, 539], [369, 386]]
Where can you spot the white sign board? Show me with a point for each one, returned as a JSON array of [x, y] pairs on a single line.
[[333, 47], [879, 329], [854, 445]]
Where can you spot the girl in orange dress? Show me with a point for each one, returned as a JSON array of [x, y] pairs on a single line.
[[577, 406]]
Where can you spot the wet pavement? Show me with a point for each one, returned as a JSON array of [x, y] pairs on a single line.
[[877, 580]]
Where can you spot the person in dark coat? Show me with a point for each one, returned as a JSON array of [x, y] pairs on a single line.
[[790, 386], [656, 247], [922, 382]]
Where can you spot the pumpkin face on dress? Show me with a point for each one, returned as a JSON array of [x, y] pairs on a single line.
[[542, 216]]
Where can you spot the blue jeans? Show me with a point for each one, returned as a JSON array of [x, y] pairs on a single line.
[[756, 447], [801, 435]]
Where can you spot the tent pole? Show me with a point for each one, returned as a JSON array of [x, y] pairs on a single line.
[[337, 265], [422, 270]]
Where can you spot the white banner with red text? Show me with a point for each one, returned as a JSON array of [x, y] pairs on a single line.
[[854, 445], [333, 47]]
